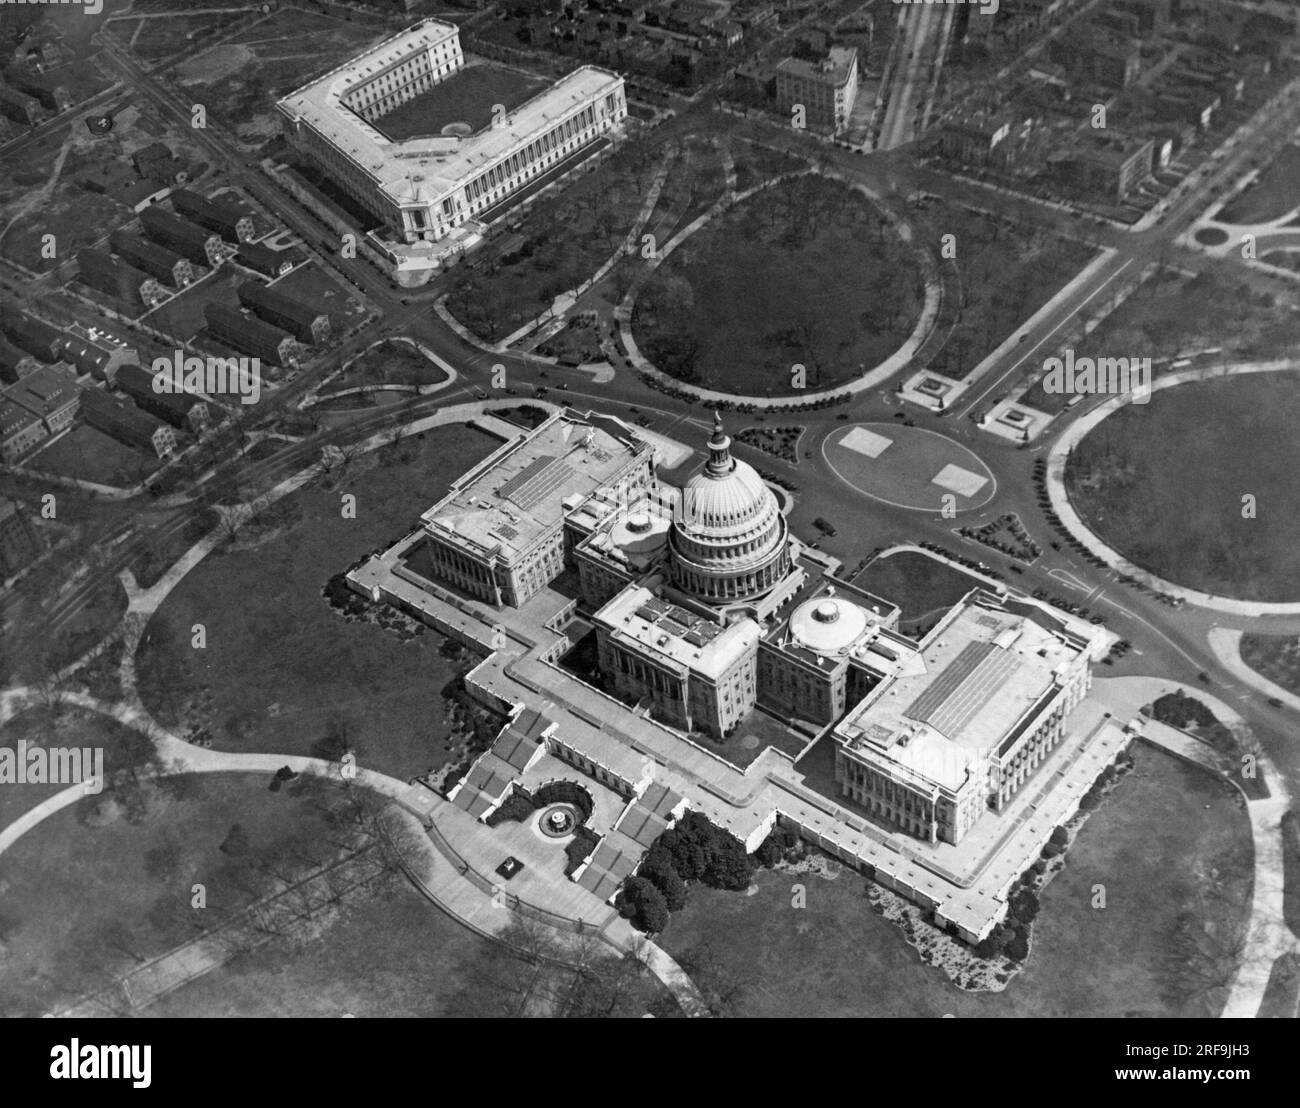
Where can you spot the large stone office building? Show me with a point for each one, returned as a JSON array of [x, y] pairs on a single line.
[[423, 187]]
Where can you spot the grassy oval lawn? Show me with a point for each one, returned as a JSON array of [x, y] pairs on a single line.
[[807, 272], [1165, 484]]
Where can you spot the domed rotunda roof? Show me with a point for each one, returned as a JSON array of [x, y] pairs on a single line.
[[828, 624], [728, 540], [726, 499]]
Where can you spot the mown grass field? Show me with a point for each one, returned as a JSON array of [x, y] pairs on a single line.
[[1204, 502], [281, 668], [1171, 846]]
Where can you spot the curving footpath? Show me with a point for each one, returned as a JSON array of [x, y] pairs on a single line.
[[1267, 935], [897, 361], [431, 871]]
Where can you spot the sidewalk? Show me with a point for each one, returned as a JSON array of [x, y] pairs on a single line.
[[1267, 935], [434, 874], [874, 377]]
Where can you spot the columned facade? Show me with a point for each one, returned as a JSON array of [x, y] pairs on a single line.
[[729, 541], [1035, 738]]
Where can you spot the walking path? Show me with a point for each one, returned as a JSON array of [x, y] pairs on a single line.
[[314, 396], [1056, 491], [1267, 936], [565, 300], [869, 380], [430, 870]]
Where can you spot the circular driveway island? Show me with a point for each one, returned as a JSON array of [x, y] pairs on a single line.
[[909, 467]]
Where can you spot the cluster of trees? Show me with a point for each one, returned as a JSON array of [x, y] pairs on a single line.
[[1094, 795], [1057, 843], [694, 850], [1180, 710], [1011, 937]]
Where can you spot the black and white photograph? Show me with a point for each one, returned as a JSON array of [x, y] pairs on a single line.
[[624, 509]]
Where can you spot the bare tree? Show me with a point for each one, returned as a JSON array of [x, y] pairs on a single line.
[[230, 522], [722, 985]]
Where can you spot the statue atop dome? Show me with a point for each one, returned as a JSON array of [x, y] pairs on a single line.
[[720, 463]]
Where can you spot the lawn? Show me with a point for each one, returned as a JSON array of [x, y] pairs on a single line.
[[64, 726], [1291, 868], [807, 272], [350, 403], [1276, 657], [156, 40], [920, 585], [282, 669], [1004, 273], [239, 81], [393, 955], [32, 648], [182, 316], [755, 164], [1283, 993], [578, 343], [515, 278], [107, 883], [1171, 846], [1165, 485], [56, 204], [389, 363], [565, 239], [1274, 193], [90, 455], [695, 182], [467, 96], [1171, 314]]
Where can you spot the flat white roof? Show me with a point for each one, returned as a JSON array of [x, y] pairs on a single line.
[[516, 496], [676, 635], [834, 69], [984, 669], [423, 170]]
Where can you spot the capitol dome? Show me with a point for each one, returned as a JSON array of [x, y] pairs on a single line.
[[728, 539]]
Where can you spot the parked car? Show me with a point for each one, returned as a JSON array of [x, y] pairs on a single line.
[[824, 527]]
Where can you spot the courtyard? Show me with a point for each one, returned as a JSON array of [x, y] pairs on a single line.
[[467, 97]]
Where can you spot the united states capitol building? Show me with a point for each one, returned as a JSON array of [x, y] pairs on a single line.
[[706, 609]]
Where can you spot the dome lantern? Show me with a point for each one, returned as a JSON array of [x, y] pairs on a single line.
[[720, 462]]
